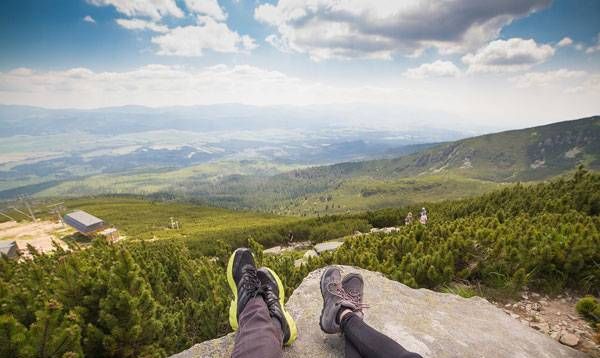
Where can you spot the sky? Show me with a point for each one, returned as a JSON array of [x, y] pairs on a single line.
[[507, 63]]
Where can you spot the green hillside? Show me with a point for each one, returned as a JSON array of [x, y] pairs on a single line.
[[453, 170], [202, 227], [448, 171], [520, 155], [155, 297]]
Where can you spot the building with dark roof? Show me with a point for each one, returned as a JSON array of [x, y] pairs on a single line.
[[9, 248], [83, 222]]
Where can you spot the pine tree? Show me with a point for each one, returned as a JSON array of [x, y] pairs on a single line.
[[54, 334], [128, 312], [13, 338]]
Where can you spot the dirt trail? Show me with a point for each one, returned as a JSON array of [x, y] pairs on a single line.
[[39, 234]]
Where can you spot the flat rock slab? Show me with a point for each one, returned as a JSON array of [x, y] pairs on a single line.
[[430, 323], [328, 246], [310, 253], [273, 251]]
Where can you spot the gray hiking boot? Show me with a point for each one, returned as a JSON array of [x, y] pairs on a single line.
[[353, 285], [332, 277], [335, 297]]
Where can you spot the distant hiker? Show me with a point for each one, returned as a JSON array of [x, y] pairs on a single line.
[[290, 237], [409, 219], [263, 326], [423, 218]]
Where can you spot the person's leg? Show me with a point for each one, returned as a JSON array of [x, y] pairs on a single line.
[[369, 342], [365, 339], [257, 336], [342, 312], [274, 296], [350, 350]]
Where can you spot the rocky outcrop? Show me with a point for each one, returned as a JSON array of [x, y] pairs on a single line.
[[555, 317], [430, 323]]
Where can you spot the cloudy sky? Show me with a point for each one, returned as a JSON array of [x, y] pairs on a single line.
[[497, 62]]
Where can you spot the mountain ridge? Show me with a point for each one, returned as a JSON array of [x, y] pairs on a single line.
[[447, 170], [462, 168]]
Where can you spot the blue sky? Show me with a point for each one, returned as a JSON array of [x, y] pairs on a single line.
[[460, 57]]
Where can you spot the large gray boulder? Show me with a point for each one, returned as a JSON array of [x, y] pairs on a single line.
[[433, 324]]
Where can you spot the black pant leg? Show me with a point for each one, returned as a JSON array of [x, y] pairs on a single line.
[[350, 350], [369, 342]]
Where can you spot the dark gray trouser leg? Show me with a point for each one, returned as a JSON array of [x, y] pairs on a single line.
[[369, 342], [350, 350], [257, 335]]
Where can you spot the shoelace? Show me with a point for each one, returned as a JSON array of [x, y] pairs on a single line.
[[354, 298], [270, 298], [250, 281], [268, 293]]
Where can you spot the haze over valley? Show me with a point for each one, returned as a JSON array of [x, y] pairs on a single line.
[[42, 147]]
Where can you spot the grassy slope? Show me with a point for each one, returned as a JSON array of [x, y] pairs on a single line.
[[144, 219], [513, 155], [163, 181], [452, 170], [498, 157], [364, 193]]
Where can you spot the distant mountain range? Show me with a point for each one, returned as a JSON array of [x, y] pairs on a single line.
[[36, 121], [449, 170], [42, 147], [276, 167], [519, 155]]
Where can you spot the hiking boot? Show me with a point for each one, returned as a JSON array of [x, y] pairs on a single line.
[[336, 298], [331, 280], [243, 281], [353, 285], [274, 295]]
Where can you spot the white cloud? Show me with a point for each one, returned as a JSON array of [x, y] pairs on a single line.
[[89, 19], [155, 9], [592, 84], [566, 41], [162, 85], [469, 97], [21, 71], [190, 41], [278, 43], [594, 48], [436, 69], [378, 29], [139, 24], [206, 7], [248, 43], [541, 79], [510, 55]]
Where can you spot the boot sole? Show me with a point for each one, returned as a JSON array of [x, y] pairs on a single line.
[[233, 320], [290, 321]]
